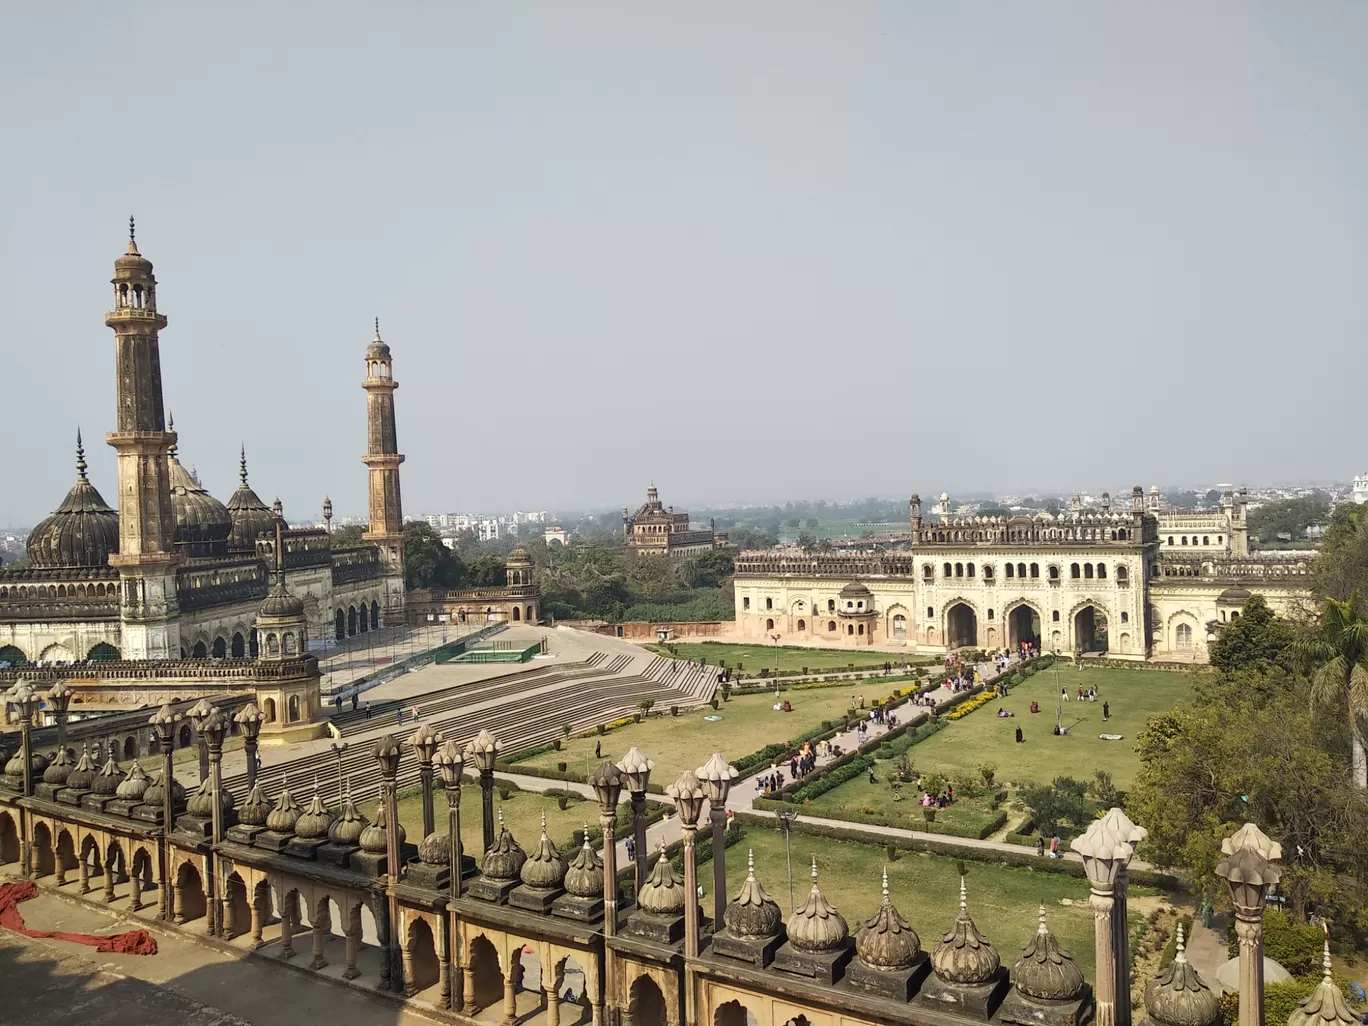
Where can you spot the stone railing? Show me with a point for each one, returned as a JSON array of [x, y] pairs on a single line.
[[158, 670]]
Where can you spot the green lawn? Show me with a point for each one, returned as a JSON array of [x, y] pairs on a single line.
[[925, 889], [522, 814], [751, 659], [1134, 696], [863, 802], [684, 742]]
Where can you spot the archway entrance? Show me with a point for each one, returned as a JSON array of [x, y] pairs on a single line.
[[488, 977], [423, 967], [1023, 625], [961, 626], [647, 1004], [9, 839], [340, 625], [1090, 630]]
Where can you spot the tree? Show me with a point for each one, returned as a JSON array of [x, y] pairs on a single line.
[[1256, 640], [1341, 567], [348, 536], [1056, 803], [428, 563], [1336, 657], [709, 570], [1290, 517], [806, 542]]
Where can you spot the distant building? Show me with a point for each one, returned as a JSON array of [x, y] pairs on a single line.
[[556, 534], [1360, 492], [657, 530]]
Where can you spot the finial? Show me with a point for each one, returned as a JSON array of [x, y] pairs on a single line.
[[543, 822], [1181, 954], [377, 329], [585, 835], [315, 783], [750, 864], [80, 456], [1041, 928], [885, 884], [964, 897], [132, 231], [501, 822], [242, 465], [814, 871], [1325, 959], [171, 427], [348, 786]]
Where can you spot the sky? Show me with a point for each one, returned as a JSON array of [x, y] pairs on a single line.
[[750, 252]]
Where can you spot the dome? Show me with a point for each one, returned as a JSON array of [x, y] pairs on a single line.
[[255, 809], [154, 795], [346, 829], [887, 941], [519, 556], [504, 861], [202, 522], [83, 531], [378, 348], [106, 783], [15, 767], [584, 878], [816, 926], [855, 590], [435, 849], [964, 955], [316, 821], [1324, 1007], [374, 838], [83, 775], [1238, 596], [1047, 972], [280, 604], [663, 893], [753, 913], [285, 815], [1179, 997], [545, 869], [134, 785], [132, 260], [201, 803], [251, 517], [59, 769]]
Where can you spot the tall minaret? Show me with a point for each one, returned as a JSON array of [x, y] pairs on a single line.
[[147, 557], [382, 457]]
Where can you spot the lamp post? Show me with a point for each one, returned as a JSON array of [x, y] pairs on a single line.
[[607, 784], [688, 796], [337, 750], [424, 742], [636, 774], [786, 819], [25, 702], [164, 721], [386, 753], [450, 765], [214, 728], [197, 714], [1250, 868], [716, 777], [484, 752], [60, 697], [249, 720], [1104, 852]]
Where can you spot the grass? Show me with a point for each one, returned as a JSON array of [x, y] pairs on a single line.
[[751, 659], [925, 888], [863, 802], [1134, 696], [522, 814], [684, 742]]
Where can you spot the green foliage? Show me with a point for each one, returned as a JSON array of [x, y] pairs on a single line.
[[833, 778], [1060, 802], [1289, 517], [1103, 791], [348, 536], [1297, 947], [1258, 640], [427, 562]]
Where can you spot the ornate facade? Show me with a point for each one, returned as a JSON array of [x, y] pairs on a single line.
[[657, 530], [519, 601], [174, 573], [1138, 583]]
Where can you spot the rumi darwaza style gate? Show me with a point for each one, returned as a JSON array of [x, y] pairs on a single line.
[[467, 933], [1139, 584]]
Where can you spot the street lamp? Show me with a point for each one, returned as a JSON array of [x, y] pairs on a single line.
[[716, 777], [164, 721], [213, 729], [688, 796], [249, 720], [386, 753], [424, 742], [607, 784], [484, 752], [337, 750], [25, 703], [449, 765], [198, 713], [60, 697], [786, 819], [636, 774]]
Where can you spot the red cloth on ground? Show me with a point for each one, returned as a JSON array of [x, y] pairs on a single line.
[[134, 942]]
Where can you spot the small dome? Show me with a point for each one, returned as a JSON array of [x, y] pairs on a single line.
[[887, 941], [519, 556], [280, 604], [374, 837], [251, 517], [201, 803], [1236, 596], [60, 768], [154, 795], [134, 785], [82, 531], [15, 767], [663, 893], [816, 926], [202, 522], [346, 829], [964, 955], [1179, 997], [504, 861], [1325, 1006], [753, 913], [256, 808], [855, 590], [1047, 972], [584, 878], [314, 824], [132, 260], [545, 869], [83, 775], [435, 849], [107, 781], [285, 814]]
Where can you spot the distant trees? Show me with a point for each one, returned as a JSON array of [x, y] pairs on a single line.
[[427, 562], [347, 536], [1290, 517]]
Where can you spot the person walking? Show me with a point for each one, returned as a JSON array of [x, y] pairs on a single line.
[[368, 710], [598, 749], [1106, 711], [1054, 847]]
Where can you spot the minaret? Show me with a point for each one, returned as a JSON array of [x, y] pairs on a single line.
[[386, 528], [147, 556]]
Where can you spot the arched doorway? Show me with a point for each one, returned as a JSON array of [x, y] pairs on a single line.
[[364, 617], [340, 625], [961, 626], [268, 710], [188, 894], [184, 738], [239, 648], [44, 856], [1090, 630], [484, 967], [13, 656], [130, 748], [237, 912], [199, 651], [1023, 625], [351, 621], [899, 627], [9, 839], [517, 614], [646, 1004], [421, 970], [734, 1013], [103, 652], [375, 615], [220, 649]]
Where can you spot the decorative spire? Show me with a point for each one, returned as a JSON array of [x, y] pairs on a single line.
[[132, 230], [885, 899], [171, 427], [1181, 954], [242, 465], [543, 822], [80, 457], [377, 330], [964, 899], [1046, 972]]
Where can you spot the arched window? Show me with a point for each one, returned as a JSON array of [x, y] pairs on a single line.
[[517, 614], [1121, 574], [1055, 616], [1170, 539], [1011, 571], [1183, 636], [831, 605], [948, 570], [927, 572], [930, 612], [1074, 571], [1184, 539], [831, 626], [745, 602], [1125, 617], [802, 625], [239, 648], [1101, 571], [1234, 616], [970, 570], [1054, 573], [288, 646], [1035, 569], [1206, 540], [861, 628], [272, 645], [1021, 569], [294, 708], [988, 572], [850, 628], [220, 648], [769, 603], [990, 613], [769, 624], [375, 615], [959, 569], [1088, 571]]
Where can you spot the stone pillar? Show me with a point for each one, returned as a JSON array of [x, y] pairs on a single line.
[[258, 918], [287, 924], [1250, 868], [468, 991], [596, 1013], [444, 964], [321, 926], [510, 999], [382, 929], [178, 903], [82, 876], [553, 1003], [57, 866], [410, 986], [109, 880], [1104, 853], [1125, 829], [134, 892]]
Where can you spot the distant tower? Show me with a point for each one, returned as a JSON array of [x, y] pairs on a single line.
[[147, 557], [386, 528]]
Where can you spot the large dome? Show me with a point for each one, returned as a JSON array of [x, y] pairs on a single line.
[[251, 517], [202, 522], [82, 532]]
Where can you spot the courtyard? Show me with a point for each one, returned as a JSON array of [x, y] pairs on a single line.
[[751, 659]]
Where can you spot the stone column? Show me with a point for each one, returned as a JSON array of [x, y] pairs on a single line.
[[321, 927], [353, 941], [83, 876], [510, 999], [178, 902], [553, 1005], [258, 918], [1125, 829], [287, 915], [57, 866], [109, 880], [444, 963], [468, 991], [1250, 868], [410, 986], [1104, 853], [134, 892], [382, 937]]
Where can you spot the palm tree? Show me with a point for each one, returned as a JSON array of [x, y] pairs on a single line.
[[1336, 657]]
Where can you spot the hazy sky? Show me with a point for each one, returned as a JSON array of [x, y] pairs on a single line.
[[752, 251]]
